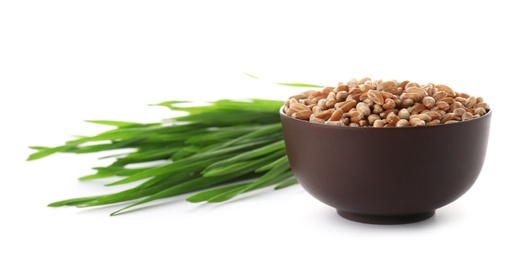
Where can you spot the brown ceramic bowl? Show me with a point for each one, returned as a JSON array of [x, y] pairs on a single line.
[[386, 175]]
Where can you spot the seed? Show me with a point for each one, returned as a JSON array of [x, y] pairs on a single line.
[[464, 95], [414, 96], [341, 95], [402, 85], [448, 100], [317, 94], [404, 113], [289, 111], [416, 108], [379, 123], [428, 101], [376, 97], [377, 109], [483, 105], [433, 122], [331, 95], [316, 109], [480, 111], [454, 106], [446, 117], [341, 87], [467, 116], [411, 85], [309, 93], [327, 90], [346, 105], [380, 103], [303, 115], [353, 83], [451, 121], [348, 114], [299, 107], [389, 104], [386, 94], [389, 86], [442, 105], [372, 118], [330, 103], [402, 123], [392, 118], [385, 113], [420, 91], [369, 102], [471, 101], [433, 114], [423, 117], [326, 114], [416, 122], [363, 108], [355, 90], [364, 80], [429, 90], [363, 96], [355, 97], [447, 90], [293, 100], [406, 103], [337, 123], [316, 120], [458, 111], [356, 116], [461, 100], [337, 115], [366, 87], [438, 95], [322, 104]]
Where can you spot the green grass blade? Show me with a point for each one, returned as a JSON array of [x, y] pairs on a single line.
[[267, 149], [301, 85], [173, 168], [111, 171], [251, 165], [114, 123], [250, 75], [105, 147], [39, 148], [233, 193], [272, 164], [43, 153], [189, 186], [142, 190], [146, 156], [196, 162], [73, 202], [206, 195], [287, 183]]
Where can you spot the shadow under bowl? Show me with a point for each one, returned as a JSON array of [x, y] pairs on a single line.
[[386, 175]]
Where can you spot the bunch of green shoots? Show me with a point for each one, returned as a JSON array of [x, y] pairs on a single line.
[[220, 150]]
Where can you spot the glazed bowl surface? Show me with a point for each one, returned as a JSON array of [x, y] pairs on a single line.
[[386, 175]]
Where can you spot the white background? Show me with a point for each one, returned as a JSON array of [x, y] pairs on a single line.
[[62, 62]]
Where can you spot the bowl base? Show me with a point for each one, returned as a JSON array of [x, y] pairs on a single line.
[[386, 219]]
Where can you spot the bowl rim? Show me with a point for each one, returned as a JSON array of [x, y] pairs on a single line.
[[282, 113]]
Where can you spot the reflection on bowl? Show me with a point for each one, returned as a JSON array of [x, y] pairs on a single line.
[[386, 175]]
